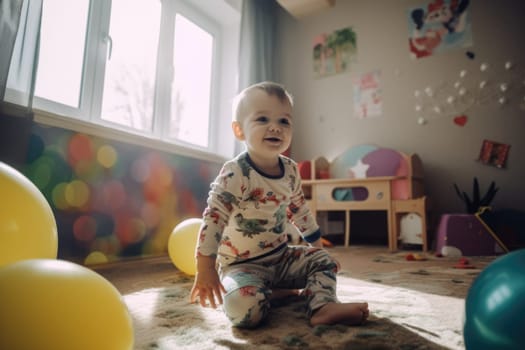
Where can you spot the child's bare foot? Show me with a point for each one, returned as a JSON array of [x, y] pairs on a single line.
[[283, 293], [351, 314]]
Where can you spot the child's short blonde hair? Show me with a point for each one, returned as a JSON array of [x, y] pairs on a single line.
[[271, 88]]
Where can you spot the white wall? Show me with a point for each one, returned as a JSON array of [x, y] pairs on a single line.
[[324, 120]]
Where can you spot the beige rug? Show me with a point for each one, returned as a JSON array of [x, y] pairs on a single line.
[[419, 315]]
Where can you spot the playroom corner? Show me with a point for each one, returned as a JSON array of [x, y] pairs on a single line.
[[408, 121]]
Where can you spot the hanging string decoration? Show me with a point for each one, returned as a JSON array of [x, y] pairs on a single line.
[[501, 85]]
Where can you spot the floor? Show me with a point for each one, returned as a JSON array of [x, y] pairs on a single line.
[[361, 262]]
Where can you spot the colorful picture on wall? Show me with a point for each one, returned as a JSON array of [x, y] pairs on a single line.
[[332, 53], [367, 95], [494, 153], [439, 26]]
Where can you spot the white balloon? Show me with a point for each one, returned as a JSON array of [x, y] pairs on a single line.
[[482, 84], [483, 67]]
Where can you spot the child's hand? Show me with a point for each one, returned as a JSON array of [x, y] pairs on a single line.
[[208, 286]]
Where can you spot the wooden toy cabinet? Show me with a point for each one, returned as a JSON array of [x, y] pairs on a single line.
[[398, 194]]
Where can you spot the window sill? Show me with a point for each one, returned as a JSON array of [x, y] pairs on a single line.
[[48, 119]]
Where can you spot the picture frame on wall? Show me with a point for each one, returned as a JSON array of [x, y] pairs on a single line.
[[438, 26], [494, 153], [333, 52]]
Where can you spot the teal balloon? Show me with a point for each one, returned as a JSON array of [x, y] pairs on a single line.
[[495, 306]]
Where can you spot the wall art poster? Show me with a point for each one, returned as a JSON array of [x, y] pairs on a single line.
[[439, 26], [368, 101], [333, 52], [494, 153]]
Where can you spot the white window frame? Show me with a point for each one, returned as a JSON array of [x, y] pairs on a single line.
[[219, 17]]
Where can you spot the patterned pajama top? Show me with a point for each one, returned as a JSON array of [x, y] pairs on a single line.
[[249, 212]]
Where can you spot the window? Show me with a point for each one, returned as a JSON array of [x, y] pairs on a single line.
[[147, 67], [65, 87], [190, 93], [129, 81]]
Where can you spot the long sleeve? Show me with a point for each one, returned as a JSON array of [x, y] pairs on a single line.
[[224, 196], [248, 212], [299, 212]]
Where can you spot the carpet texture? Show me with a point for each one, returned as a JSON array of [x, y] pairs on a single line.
[[418, 306]]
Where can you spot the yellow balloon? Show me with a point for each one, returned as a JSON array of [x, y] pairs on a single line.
[[28, 228], [59, 305], [95, 258], [181, 245]]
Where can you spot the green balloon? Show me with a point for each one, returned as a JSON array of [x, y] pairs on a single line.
[[495, 306]]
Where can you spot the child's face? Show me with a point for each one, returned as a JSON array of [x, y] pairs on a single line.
[[266, 126]]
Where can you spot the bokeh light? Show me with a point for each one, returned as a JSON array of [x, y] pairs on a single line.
[[85, 228], [42, 170], [112, 198], [48, 170], [80, 148], [129, 229], [107, 156], [77, 193], [96, 257], [58, 196], [35, 148], [158, 183], [140, 170], [113, 195], [150, 213], [87, 170], [109, 245]]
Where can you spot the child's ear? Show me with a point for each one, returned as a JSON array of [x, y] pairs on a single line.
[[237, 130]]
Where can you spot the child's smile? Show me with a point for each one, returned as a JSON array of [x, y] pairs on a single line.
[[267, 127]]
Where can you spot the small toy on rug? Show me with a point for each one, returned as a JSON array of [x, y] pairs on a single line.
[[451, 252], [326, 243], [415, 257], [464, 263]]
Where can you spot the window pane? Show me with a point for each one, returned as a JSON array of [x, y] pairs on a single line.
[[61, 55], [190, 100], [129, 85]]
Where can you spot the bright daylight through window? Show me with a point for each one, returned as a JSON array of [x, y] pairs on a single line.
[[148, 67], [129, 84], [60, 75]]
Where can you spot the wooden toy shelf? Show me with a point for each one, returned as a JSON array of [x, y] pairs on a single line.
[[399, 194], [320, 196]]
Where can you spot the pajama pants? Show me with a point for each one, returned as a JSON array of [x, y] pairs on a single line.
[[249, 284]]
